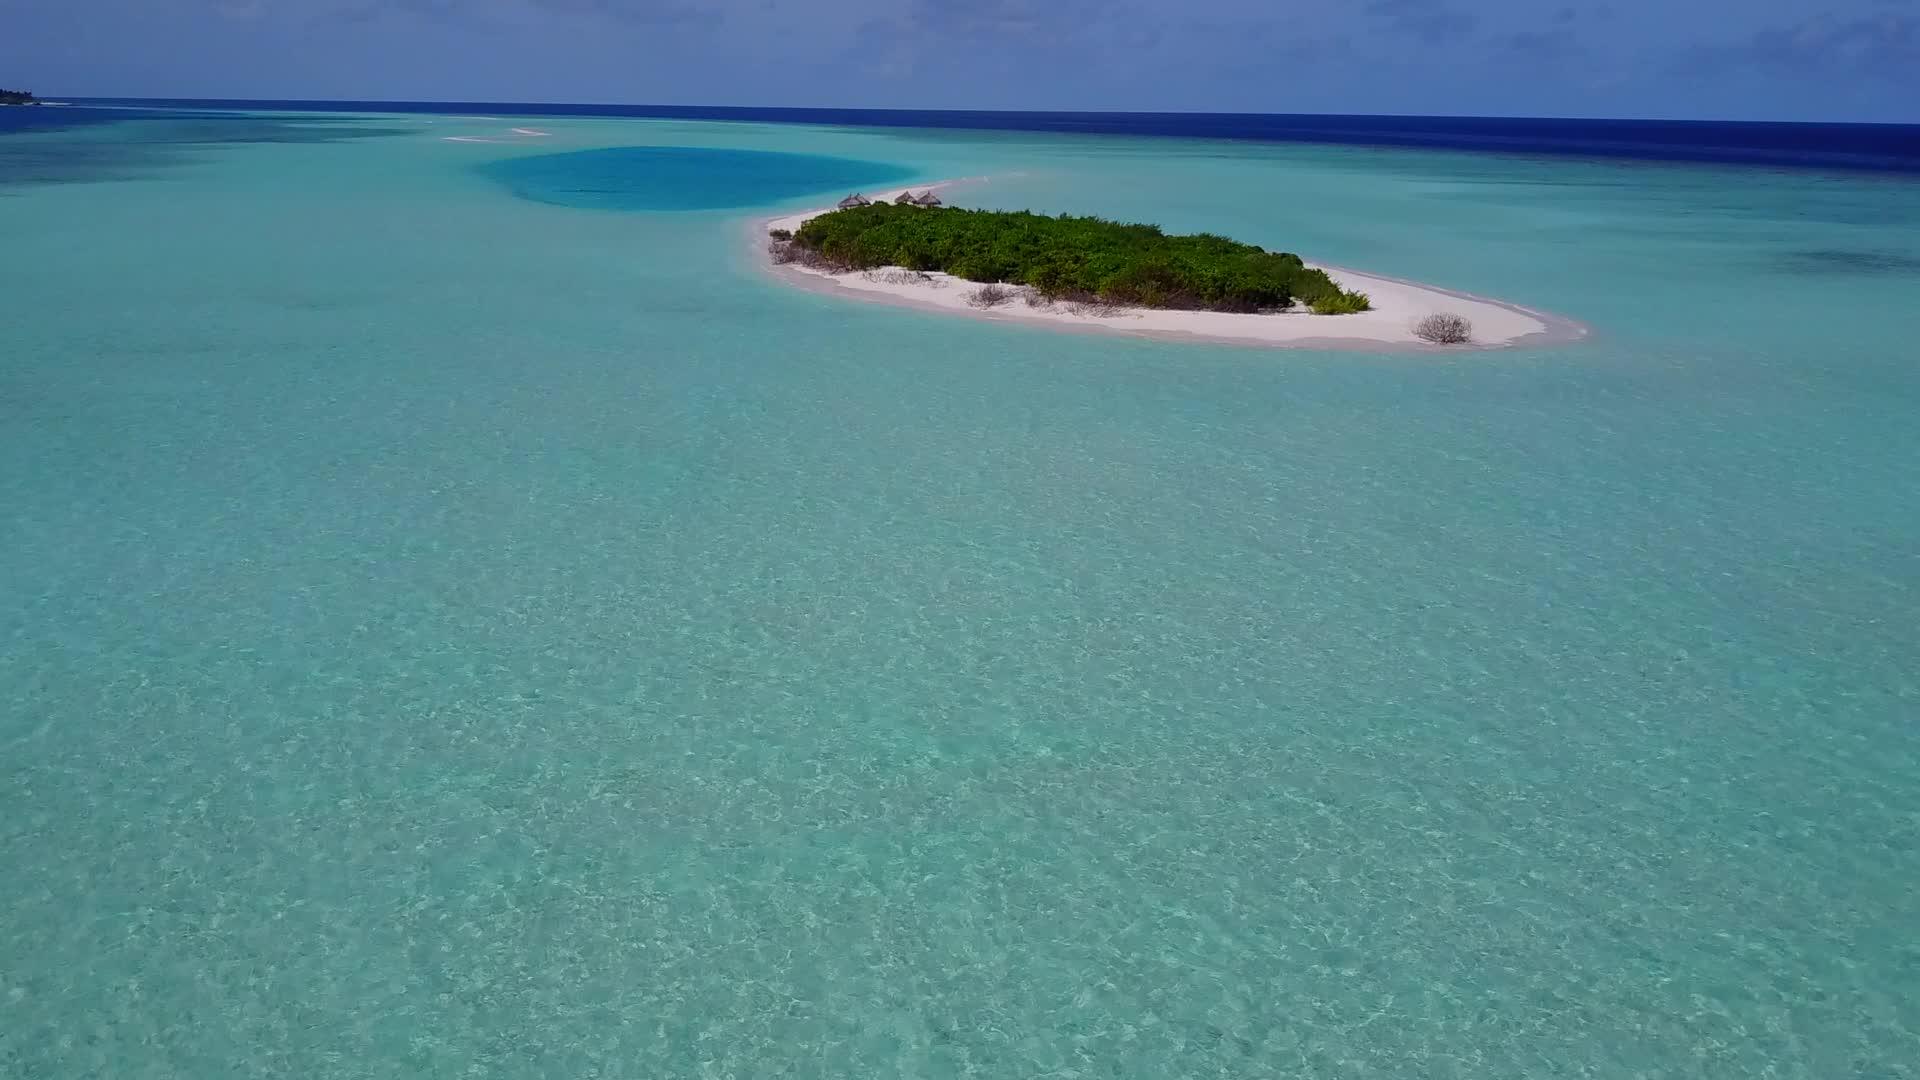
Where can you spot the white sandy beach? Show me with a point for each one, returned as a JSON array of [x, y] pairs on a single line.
[[1397, 305]]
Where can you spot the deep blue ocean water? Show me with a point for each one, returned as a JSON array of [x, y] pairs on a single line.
[[445, 632], [98, 144], [1893, 147]]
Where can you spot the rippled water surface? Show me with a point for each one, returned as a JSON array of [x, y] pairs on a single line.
[[448, 633]]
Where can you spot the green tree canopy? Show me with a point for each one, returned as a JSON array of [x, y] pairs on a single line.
[[1071, 258]]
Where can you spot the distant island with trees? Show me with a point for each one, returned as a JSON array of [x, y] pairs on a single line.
[[1069, 259], [17, 97]]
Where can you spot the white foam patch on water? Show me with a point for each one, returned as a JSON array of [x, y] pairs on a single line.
[[517, 133]]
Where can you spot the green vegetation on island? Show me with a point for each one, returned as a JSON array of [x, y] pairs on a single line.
[[1083, 259], [16, 97]]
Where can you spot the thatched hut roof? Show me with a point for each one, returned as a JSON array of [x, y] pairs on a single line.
[[905, 198], [928, 199], [853, 200]]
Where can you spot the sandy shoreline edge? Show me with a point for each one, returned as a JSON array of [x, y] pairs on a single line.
[[1397, 305]]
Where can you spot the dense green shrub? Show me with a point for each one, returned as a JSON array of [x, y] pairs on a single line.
[[1345, 303], [1080, 259]]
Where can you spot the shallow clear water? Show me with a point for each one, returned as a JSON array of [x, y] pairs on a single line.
[[452, 634]]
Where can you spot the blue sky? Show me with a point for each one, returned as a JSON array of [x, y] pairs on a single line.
[[1740, 59]]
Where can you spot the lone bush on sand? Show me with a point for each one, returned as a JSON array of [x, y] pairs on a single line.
[[990, 296], [1444, 329]]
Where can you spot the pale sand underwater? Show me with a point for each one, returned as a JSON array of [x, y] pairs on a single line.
[[466, 626]]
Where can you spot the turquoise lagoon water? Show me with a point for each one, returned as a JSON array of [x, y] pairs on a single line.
[[451, 634]]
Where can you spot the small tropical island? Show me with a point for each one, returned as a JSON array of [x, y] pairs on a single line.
[[17, 97], [1092, 275], [1063, 259]]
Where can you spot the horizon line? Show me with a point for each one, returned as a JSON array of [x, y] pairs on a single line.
[[952, 111]]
